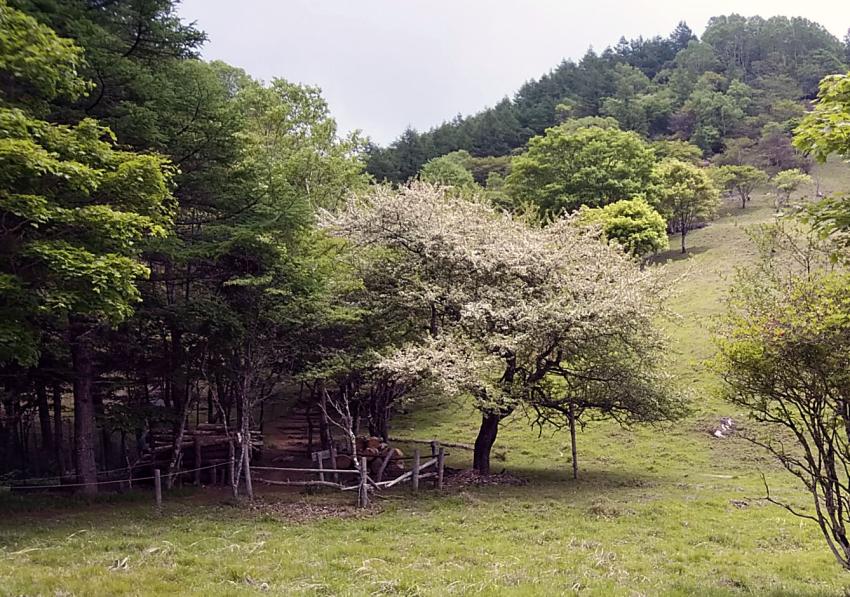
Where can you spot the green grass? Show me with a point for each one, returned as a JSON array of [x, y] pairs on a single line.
[[656, 511]]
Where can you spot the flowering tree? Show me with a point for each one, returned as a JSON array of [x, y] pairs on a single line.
[[506, 305]]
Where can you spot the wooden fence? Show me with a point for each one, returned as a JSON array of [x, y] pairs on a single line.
[[433, 468]]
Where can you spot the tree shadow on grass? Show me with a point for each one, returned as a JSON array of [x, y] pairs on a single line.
[[676, 255], [543, 483]]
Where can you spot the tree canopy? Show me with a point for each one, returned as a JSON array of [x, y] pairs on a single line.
[[687, 195], [563, 169], [632, 223], [510, 306]]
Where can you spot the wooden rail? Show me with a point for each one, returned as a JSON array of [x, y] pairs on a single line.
[[418, 472]]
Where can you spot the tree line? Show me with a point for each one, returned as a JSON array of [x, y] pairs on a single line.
[[746, 80], [157, 225]]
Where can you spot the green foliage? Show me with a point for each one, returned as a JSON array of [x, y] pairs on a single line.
[[782, 352], [564, 169], [448, 170], [36, 61], [825, 129], [716, 109], [687, 195], [740, 180], [631, 223], [677, 150], [822, 132], [75, 209], [788, 181]]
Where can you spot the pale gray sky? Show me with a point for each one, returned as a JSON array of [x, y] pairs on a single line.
[[386, 64]]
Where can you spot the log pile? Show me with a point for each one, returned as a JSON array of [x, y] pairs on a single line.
[[384, 460], [212, 439]]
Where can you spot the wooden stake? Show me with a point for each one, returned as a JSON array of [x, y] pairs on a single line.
[[246, 470], [333, 461], [157, 488], [441, 461], [415, 477], [197, 460], [363, 493], [319, 460]]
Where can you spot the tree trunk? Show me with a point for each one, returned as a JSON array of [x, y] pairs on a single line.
[[177, 454], [572, 415], [84, 420], [484, 442], [58, 439], [379, 413], [684, 232], [245, 401], [44, 421]]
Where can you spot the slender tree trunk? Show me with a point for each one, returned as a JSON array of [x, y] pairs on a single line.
[[44, 420], [58, 438], [245, 402], [210, 415], [324, 424], [572, 415], [174, 465], [84, 420], [484, 442], [684, 232]]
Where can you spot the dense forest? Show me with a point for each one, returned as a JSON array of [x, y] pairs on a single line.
[[152, 205], [744, 79]]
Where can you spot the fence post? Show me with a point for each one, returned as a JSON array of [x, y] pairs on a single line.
[[157, 487], [434, 444], [319, 460], [415, 474], [231, 466], [441, 461], [333, 461], [197, 460], [363, 492]]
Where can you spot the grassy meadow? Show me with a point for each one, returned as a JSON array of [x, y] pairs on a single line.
[[670, 511]]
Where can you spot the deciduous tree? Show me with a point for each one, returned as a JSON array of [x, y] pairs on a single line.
[[563, 170], [741, 180], [508, 305], [687, 195], [632, 223], [783, 348]]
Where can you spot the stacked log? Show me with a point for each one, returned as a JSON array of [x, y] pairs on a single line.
[[212, 439], [383, 459]]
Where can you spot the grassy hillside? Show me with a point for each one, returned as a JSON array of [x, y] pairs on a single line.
[[656, 511]]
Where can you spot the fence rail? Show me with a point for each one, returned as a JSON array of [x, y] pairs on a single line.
[[432, 468]]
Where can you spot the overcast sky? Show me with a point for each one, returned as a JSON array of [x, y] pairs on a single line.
[[387, 64]]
